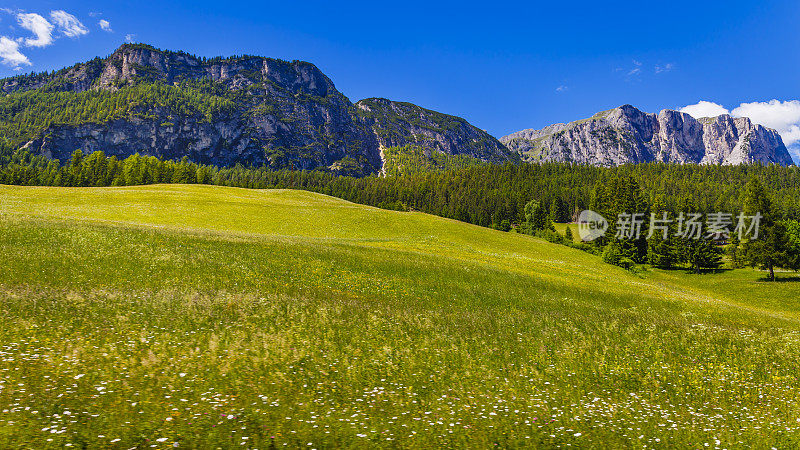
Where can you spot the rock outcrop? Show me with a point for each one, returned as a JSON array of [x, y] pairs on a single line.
[[397, 124], [627, 135]]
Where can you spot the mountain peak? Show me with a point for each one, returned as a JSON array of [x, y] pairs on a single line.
[[628, 135], [129, 47], [629, 109]]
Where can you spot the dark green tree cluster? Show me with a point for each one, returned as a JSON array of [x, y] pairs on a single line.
[[414, 160], [762, 237], [98, 170], [27, 114], [536, 218]]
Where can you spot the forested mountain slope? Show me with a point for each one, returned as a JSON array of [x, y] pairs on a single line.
[[221, 111]]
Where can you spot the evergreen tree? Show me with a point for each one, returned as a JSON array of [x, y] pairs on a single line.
[[704, 255], [734, 252], [558, 211], [661, 252], [536, 218], [505, 225], [772, 248], [568, 235], [76, 169], [627, 212], [613, 254]]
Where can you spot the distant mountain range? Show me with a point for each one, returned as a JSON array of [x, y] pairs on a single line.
[[627, 135], [222, 111], [258, 111]]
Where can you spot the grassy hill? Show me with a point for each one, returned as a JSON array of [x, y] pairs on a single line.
[[209, 316]]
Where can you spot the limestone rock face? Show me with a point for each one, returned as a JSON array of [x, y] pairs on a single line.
[[284, 115], [627, 135]]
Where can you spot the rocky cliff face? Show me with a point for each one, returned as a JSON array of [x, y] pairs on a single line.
[[627, 135], [284, 115]]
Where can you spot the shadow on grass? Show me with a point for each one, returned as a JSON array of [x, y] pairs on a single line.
[[706, 271], [780, 279], [695, 272]]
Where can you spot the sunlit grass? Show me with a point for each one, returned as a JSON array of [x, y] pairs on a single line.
[[214, 317]]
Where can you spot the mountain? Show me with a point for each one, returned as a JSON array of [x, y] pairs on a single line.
[[398, 124], [223, 111], [627, 135]]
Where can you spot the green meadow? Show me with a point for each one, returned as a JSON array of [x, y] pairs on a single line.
[[209, 317]]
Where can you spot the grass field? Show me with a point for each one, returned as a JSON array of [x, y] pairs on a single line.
[[197, 316], [561, 228]]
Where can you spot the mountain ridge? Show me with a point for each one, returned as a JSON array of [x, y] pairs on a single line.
[[627, 135], [242, 109], [255, 110]]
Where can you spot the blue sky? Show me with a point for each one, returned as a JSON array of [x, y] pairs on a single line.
[[502, 66]]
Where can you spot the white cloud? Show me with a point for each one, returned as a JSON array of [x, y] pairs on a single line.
[[39, 26], [10, 54], [105, 25], [68, 24], [704, 109], [631, 73], [43, 34], [665, 68], [130, 37], [636, 70], [791, 138], [782, 116], [562, 88]]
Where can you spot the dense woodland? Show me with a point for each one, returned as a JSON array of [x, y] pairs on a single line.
[[524, 197], [31, 112]]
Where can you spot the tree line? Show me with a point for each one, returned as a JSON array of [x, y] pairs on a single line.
[[521, 197]]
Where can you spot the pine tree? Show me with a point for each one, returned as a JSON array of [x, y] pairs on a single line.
[[704, 255], [626, 197], [772, 248], [661, 250], [661, 253], [76, 168], [536, 218], [568, 235], [558, 211], [734, 252]]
